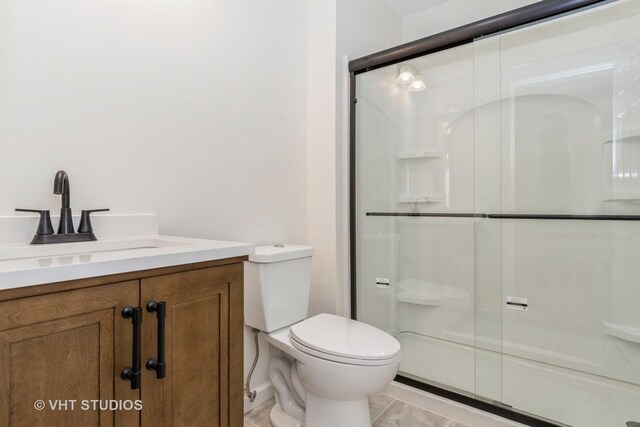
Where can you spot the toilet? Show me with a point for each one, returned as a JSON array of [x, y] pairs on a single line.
[[325, 367]]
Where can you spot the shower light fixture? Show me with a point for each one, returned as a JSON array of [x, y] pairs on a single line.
[[406, 74], [418, 84]]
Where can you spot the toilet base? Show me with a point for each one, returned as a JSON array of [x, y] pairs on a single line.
[[279, 418], [323, 412]]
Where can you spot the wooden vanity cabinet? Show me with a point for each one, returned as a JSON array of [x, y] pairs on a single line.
[[69, 342], [65, 346]]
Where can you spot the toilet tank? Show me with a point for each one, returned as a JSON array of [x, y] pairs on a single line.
[[277, 279]]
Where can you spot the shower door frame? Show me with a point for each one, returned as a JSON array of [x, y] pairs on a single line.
[[524, 16]]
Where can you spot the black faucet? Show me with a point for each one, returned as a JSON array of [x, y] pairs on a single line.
[[61, 186], [66, 233]]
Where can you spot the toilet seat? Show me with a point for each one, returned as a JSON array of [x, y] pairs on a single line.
[[343, 340]]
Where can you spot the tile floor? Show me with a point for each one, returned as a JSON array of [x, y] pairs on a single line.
[[385, 412]]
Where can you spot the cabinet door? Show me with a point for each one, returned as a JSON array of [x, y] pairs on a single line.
[[66, 346], [203, 349]]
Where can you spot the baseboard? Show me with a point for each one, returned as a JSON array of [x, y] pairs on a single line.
[[447, 408], [264, 392]]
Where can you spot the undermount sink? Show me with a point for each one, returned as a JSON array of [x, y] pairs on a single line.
[[14, 252]]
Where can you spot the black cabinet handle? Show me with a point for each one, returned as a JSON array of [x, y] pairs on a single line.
[[133, 373], [158, 365]]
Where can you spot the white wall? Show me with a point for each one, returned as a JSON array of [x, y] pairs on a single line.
[[452, 14], [321, 154], [195, 110], [366, 26]]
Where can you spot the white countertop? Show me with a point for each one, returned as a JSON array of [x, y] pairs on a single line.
[[25, 265]]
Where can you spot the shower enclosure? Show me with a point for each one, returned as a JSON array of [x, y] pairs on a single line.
[[496, 212]]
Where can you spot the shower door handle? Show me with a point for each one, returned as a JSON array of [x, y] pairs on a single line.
[[158, 365]]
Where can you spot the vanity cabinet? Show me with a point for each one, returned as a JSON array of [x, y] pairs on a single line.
[[67, 344]]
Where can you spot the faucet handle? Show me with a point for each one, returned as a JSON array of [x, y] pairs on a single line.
[[44, 226], [85, 220]]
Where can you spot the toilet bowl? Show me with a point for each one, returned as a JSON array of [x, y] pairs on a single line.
[[324, 367], [338, 367]]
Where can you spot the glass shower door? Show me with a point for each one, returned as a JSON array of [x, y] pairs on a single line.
[[557, 138], [415, 212], [497, 206]]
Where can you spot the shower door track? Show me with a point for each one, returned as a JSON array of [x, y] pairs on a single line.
[[526, 15], [494, 407], [542, 10]]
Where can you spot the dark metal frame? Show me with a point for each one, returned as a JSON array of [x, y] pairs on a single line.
[[467, 33], [510, 216], [544, 9]]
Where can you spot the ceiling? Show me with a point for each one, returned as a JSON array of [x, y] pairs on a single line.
[[409, 7]]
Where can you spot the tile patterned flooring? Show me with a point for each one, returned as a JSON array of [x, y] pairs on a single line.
[[385, 412]]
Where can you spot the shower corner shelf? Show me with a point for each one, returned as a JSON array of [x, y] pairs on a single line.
[[426, 154], [627, 137], [622, 197], [419, 299], [421, 198], [624, 332]]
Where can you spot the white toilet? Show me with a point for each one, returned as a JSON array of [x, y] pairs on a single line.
[[328, 365]]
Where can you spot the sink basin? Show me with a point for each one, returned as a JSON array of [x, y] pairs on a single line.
[[13, 252]]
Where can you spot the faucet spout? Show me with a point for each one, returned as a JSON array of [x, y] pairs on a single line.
[[61, 186]]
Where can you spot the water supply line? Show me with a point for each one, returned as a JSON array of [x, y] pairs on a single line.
[[251, 394]]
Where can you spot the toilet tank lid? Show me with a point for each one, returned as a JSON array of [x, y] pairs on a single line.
[[280, 252]]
